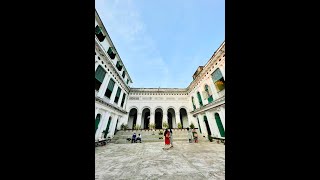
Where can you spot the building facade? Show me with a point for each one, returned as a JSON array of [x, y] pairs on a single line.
[[201, 103]]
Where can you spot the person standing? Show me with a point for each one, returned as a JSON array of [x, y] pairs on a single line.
[[166, 139], [171, 138]]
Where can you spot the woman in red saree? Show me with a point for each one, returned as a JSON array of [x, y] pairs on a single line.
[[166, 139]]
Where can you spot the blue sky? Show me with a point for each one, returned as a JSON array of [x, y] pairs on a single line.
[[162, 42]]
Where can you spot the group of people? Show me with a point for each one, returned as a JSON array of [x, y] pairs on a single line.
[[134, 138], [192, 135]]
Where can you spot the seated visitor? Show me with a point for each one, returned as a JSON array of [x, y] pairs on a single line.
[[139, 138], [133, 139]]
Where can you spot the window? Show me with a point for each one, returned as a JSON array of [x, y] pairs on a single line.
[[111, 52], [110, 88], [218, 80], [100, 74], [194, 107], [199, 98], [123, 98], [116, 99], [209, 94], [128, 81], [99, 34], [123, 74], [119, 66]]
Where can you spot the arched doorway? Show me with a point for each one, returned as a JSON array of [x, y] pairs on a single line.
[[184, 118], [171, 118], [107, 128], [132, 119], [115, 129], [219, 124], [199, 125], [207, 125], [158, 118], [199, 99], [145, 119], [97, 122]]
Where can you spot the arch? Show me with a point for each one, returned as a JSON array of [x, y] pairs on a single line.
[[158, 107], [132, 117], [146, 107], [199, 99], [207, 125], [133, 107], [158, 114], [171, 107], [97, 121], [145, 118], [184, 117], [219, 124], [171, 115], [107, 128]]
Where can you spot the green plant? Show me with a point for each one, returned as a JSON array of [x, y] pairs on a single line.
[[165, 125], [122, 126], [151, 126], [179, 126], [126, 127], [160, 132], [136, 127], [192, 126]]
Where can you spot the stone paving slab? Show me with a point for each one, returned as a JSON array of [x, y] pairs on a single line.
[[149, 161]]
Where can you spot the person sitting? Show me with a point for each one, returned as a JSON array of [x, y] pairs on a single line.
[[133, 139], [139, 138]]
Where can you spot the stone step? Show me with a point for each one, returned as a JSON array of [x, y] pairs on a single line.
[[124, 141]]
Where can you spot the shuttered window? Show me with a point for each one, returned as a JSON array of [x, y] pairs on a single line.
[[116, 99], [109, 88]]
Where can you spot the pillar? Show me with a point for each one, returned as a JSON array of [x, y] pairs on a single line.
[[152, 117]]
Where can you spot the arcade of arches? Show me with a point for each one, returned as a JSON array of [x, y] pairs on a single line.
[[157, 117]]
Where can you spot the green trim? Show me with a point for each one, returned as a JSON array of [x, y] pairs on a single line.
[[199, 98], [100, 74], [97, 122], [219, 124]]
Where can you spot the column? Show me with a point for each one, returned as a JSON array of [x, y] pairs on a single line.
[[152, 117], [165, 118], [138, 119], [104, 86], [114, 92], [212, 123], [177, 118]]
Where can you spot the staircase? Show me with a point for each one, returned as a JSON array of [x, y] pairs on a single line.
[[151, 136]]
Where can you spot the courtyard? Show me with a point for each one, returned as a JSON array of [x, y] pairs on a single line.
[[184, 161]]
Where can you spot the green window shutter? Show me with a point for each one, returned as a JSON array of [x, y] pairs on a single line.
[[219, 124], [199, 98], [111, 85], [100, 73], [123, 74], [210, 99], [98, 30], [216, 75], [127, 81], [107, 129], [97, 122], [123, 98], [118, 92]]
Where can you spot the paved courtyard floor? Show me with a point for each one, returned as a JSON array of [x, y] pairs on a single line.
[[149, 161]]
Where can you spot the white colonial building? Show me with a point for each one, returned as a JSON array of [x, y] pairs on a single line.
[[201, 103]]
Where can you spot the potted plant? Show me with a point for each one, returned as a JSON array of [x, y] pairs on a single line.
[[179, 126], [122, 126], [165, 125], [192, 126], [160, 132]]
